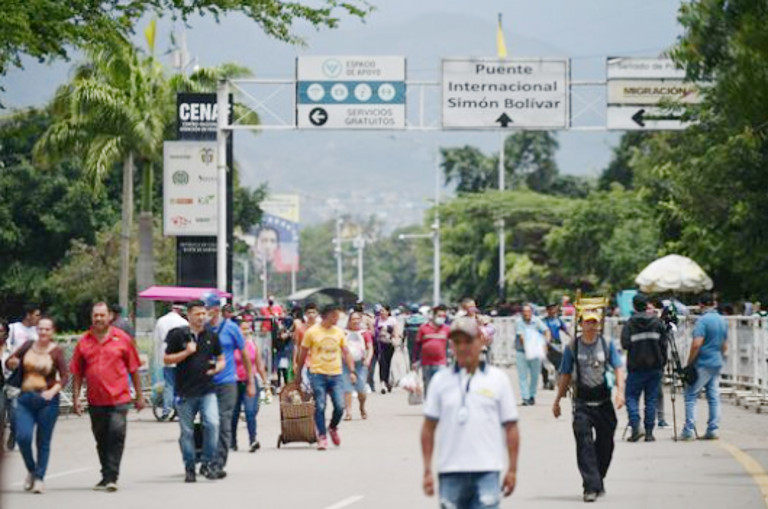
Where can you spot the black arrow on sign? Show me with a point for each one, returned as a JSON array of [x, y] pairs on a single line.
[[504, 120], [638, 118], [318, 116]]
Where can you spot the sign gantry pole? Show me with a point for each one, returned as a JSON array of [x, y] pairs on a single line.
[[221, 154], [502, 234]]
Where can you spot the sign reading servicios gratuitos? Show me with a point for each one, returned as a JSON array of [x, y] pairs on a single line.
[[519, 93]]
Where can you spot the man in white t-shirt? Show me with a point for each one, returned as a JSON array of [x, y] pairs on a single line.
[[471, 408], [164, 325], [18, 334]]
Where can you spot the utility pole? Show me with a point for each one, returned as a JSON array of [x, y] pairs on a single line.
[[436, 234], [359, 244], [337, 250], [500, 224]]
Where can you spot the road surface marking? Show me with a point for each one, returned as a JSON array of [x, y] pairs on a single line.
[[752, 466], [60, 474], [346, 502]]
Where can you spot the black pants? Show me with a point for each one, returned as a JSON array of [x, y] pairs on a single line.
[[385, 362], [594, 427], [109, 425], [372, 367]]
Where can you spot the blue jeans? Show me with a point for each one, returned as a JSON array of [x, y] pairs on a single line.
[[469, 490], [528, 372], [321, 386], [188, 408], [709, 380], [251, 409], [169, 388], [33, 410], [427, 372], [362, 376], [649, 383]]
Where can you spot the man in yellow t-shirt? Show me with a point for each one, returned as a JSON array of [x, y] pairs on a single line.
[[327, 345]]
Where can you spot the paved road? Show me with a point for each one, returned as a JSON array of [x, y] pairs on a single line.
[[379, 465]]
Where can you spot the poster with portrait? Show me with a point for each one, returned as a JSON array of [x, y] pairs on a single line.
[[275, 240]]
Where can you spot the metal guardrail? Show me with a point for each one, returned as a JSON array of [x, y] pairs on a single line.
[[744, 375]]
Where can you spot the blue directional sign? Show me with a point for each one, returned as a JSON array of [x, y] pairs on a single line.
[[350, 92]]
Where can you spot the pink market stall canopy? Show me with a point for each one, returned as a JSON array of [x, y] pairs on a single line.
[[179, 293]]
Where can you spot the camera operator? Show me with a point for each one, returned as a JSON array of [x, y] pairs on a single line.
[[644, 338]]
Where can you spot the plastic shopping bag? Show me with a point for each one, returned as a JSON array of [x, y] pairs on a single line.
[[535, 345]]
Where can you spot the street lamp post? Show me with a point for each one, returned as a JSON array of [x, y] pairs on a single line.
[[337, 250], [359, 244]]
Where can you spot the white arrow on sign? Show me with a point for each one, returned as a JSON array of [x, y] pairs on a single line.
[[644, 118]]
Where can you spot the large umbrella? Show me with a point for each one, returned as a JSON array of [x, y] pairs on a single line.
[[179, 293], [673, 273]]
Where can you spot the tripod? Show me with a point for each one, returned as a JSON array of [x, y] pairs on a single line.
[[676, 372]]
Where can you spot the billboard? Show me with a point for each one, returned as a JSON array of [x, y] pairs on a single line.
[[190, 200], [274, 242]]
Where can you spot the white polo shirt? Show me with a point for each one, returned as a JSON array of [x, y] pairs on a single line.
[[479, 444]]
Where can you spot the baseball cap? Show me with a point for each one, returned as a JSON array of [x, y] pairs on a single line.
[[211, 300], [590, 316], [464, 326]]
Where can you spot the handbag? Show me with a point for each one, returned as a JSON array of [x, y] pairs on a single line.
[[535, 345], [12, 386]]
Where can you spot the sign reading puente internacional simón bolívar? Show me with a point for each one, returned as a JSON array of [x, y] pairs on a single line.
[[520, 93]]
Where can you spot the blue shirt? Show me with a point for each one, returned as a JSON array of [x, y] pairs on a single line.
[[714, 329], [555, 325], [523, 328], [231, 339]]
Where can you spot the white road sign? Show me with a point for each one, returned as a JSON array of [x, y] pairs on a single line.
[[650, 92], [190, 198], [642, 68], [644, 118], [518, 93], [636, 89], [350, 92]]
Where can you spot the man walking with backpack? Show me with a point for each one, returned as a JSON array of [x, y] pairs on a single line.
[[594, 419], [644, 338]]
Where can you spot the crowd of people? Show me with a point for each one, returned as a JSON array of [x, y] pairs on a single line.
[[214, 368]]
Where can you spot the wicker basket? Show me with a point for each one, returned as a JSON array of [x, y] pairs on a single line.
[[297, 421]]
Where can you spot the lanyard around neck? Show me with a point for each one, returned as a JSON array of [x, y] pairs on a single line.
[[464, 391]]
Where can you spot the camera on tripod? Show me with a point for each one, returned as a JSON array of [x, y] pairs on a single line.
[[669, 316]]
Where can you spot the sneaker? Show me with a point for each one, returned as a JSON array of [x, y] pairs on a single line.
[[368, 389], [215, 473], [101, 486], [687, 436], [29, 482], [322, 443], [649, 437], [636, 436], [531, 401], [111, 486], [664, 425], [255, 446], [601, 493], [204, 469], [233, 447], [190, 475], [38, 487], [710, 435], [335, 438], [383, 390], [524, 403], [590, 496], [11, 444]]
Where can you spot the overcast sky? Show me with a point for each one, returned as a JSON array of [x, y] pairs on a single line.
[[321, 165]]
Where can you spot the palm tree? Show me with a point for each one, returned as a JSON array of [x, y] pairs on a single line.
[[112, 111]]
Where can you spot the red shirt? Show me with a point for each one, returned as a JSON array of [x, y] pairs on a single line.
[[434, 344], [269, 311], [105, 367]]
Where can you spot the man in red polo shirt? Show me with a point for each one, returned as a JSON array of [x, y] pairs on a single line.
[[104, 357]]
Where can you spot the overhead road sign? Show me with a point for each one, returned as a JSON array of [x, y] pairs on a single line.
[[639, 90], [350, 92], [517, 93]]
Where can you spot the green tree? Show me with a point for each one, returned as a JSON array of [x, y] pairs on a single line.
[[470, 261], [707, 183], [114, 110], [606, 240], [620, 170], [469, 168], [47, 29], [41, 212], [529, 159]]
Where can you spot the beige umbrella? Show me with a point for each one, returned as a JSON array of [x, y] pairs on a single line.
[[673, 273]]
